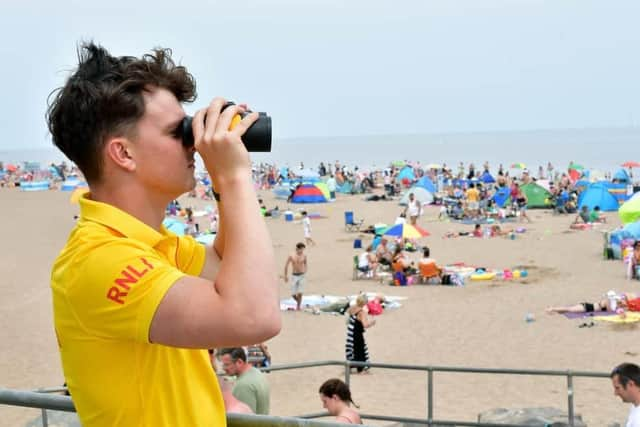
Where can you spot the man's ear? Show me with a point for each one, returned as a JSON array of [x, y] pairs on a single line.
[[119, 151]]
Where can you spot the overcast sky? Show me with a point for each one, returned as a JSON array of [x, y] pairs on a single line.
[[348, 67]]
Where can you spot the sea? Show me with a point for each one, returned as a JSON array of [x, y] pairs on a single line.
[[603, 149]]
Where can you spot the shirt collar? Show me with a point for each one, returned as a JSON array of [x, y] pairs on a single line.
[[118, 220]]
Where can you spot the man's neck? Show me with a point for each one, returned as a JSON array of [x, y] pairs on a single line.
[[132, 200]]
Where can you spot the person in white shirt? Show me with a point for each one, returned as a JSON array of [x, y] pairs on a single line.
[[306, 226], [625, 379], [413, 210]]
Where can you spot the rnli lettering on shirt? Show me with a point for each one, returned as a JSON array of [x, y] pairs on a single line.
[[128, 277]]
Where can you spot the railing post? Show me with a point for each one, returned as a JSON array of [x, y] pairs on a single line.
[[45, 421], [347, 373], [429, 396], [570, 397]]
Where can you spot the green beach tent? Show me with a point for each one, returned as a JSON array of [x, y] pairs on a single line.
[[537, 196]]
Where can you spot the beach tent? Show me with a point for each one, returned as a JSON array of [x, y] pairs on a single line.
[[308, 193], [630, 211], [597, 195], [406, 173], [325, 190], [426, 183], [34, 185], [344, 188], [423, 196], [537, 196], [282, 191], [502, 196], [621, 176], [487, 178], [622, 192]]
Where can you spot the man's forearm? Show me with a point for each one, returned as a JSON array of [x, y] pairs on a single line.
[[248, 271]]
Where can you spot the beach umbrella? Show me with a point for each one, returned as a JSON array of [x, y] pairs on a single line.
[[630, 164], [518, 166], [406, 231], [433, 166], [398, 163], [630, 211], [11, 168], [77, 193], [575, 166]]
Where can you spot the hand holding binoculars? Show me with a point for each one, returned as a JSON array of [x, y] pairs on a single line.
[[256, 139]]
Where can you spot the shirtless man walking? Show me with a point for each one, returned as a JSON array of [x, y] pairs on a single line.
[[298, 261]]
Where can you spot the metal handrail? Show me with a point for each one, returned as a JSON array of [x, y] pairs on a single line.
[[40, 398]]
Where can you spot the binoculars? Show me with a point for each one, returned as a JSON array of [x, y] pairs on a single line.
[[256, 139]]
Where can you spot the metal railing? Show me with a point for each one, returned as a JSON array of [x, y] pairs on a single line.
[[42, 398]]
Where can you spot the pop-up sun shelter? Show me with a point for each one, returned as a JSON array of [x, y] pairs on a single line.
[[502, 196], [308, 193], [598, 195], [423, 196], [537, 196], [426, 183]]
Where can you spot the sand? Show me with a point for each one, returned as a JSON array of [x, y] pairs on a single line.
[[479, 325]]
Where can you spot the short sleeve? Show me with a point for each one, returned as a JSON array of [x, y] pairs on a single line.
[[119, 286]]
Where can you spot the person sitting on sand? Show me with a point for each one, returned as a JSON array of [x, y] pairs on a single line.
[[367, 262], [401, 262], [634, 261], [477, 231], [428, 268], [383, 254], [583, 216], [596, 216], [336, 399]]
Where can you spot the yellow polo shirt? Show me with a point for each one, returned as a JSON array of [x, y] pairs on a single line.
[[107, 284]]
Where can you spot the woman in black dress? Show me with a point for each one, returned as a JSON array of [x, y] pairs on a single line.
[[358, 321]]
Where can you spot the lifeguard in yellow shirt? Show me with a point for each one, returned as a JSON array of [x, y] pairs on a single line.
[[135, 306]]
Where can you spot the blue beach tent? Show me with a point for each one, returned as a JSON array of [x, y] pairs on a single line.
[[621, 176], [426, 183], [406, 172], [487, 178], [598, 195], [501, 196]]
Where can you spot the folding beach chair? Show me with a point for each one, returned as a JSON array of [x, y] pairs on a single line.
[[351, 224]]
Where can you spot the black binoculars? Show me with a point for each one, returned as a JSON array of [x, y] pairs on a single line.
[[256, 139]]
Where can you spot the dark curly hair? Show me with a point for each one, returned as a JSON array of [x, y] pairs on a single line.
[[104, 98]]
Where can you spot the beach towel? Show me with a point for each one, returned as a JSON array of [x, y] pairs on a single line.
[[628, 318], [589, 314]]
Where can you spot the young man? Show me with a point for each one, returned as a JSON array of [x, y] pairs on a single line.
[[251, 386], [298, 261], [135, 306], [413, 209], [626, 380]]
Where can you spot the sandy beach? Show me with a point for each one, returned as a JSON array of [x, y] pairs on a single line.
[[479, 325]]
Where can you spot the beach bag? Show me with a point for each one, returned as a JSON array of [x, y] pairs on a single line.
[[446, 279], [399, 278]]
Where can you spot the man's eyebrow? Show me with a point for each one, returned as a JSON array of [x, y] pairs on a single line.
[[171, 126]]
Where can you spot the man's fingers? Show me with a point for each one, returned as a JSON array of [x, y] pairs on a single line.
[[213, 113], [246, 123], [197, 124]]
